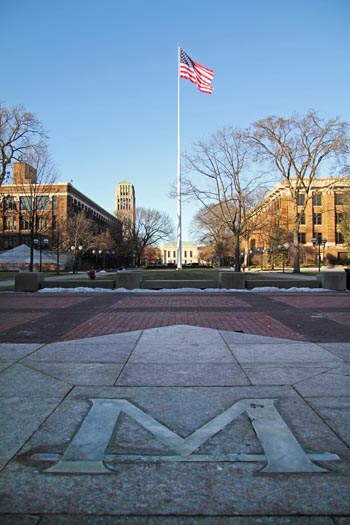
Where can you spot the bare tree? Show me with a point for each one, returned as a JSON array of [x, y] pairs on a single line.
[[215, 233], [151, 227], [20, 133], [225, 187], [34, 189], [345, 220], [78, 236], [297, 147]]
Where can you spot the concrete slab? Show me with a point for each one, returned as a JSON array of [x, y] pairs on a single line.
[[193, 344], [335, 382], [283, 353], [339, 349], [336, 412], [81, 373], [82, 353], [279, 375], [199, 374], [13, 352], [20, 418], [21, 381]]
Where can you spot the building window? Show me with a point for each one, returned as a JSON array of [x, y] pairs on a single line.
[[339, 239], [301, 199], [185, 253], [42, 203], [317, 199], [317, 218], [319, 237], [174, 254], [25, 203], [42, 223], [9, 203], [301, 218], [339, 199], [339, 218], [9, 223], [168, 253], [302, 237], [25, 224], [54, 202], [191, 253]]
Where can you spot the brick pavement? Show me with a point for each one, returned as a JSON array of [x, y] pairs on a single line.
[[43, 318]]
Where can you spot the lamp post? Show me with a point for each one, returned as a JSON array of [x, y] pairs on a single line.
[[318, 241], [281, 249], [284, 249], [261, 251], [74, 250], [41, 243]]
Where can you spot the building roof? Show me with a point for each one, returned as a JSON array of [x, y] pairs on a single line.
[[21, 254]]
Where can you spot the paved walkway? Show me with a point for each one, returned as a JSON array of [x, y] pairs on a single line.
[[179, 408]]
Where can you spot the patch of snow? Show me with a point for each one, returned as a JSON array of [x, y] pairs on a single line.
[[266, 289]]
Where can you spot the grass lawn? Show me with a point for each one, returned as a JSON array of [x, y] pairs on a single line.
[[190, 274], [176, 275], [4, 276]]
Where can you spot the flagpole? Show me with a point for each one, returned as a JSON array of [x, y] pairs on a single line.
[[179, 240]]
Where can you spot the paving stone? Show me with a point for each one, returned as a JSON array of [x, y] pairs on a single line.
[[21, 381], [283, 353], [13, 352], [277, 375], [198, 374], [192, 345], [20, 417], [86, 353], [336, 412], [340, 349], [335, 382], [80, 373]]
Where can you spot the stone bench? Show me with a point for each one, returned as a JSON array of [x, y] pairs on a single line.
[[232, 280], [332, 280], [128, 280], [29, 281], [282, 283], [181, 283], [80, 283]]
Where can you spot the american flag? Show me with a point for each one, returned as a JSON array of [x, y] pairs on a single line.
[[196, 73]]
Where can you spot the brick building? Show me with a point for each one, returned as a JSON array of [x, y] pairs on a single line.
[[28, 206], [320, 219]]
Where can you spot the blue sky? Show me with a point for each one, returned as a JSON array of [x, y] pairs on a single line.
[[102, 77]]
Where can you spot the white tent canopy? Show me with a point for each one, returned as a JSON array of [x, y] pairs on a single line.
[[20, 256]]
